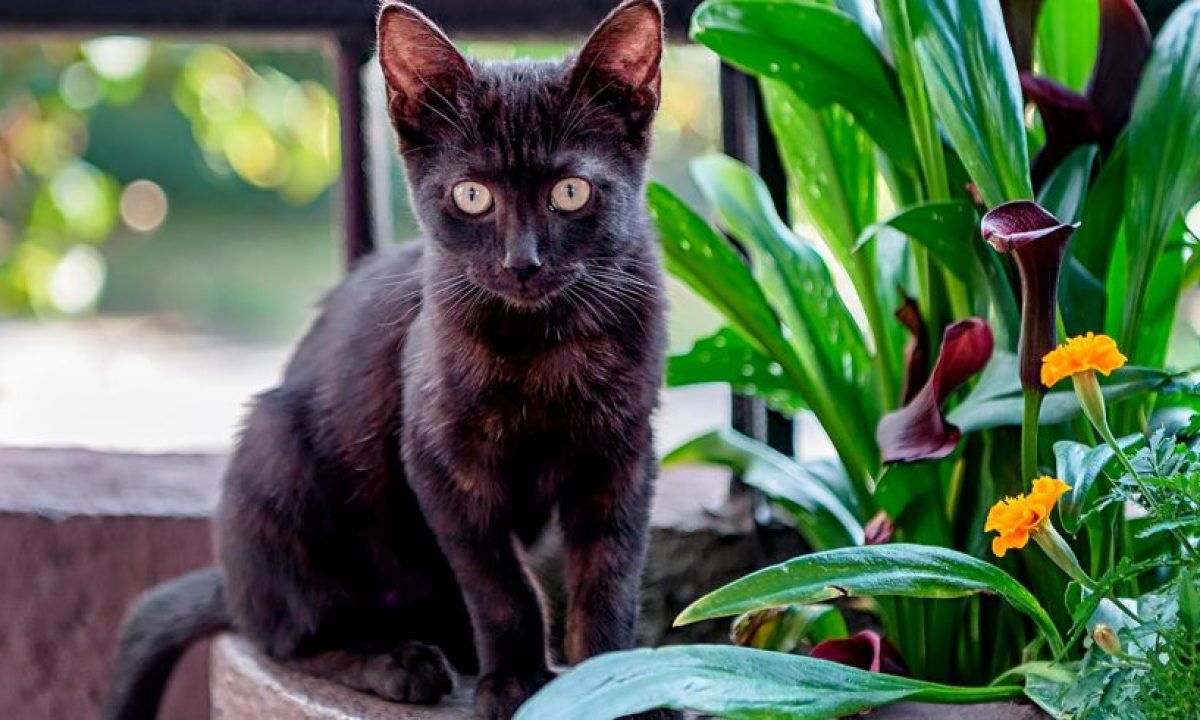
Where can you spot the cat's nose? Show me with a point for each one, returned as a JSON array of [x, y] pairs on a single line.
[[524, 268]]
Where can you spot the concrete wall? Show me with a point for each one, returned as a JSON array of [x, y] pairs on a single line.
[[81, 534]]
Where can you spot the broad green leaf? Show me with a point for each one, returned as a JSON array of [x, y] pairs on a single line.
[[1078, 466], [1067, 34], [800, 289], [734, 683], [897, 569], [1160, 303], [709, 265], [1094, 241], [1047, 684], [829, 163], [972, 79], [1164, 162], [831, 170], [1080, 294], [981, 412], [1066, 189], [1081, 299], [726, 357], [949, 230], [823, 503], [926, 135], [820, 52]]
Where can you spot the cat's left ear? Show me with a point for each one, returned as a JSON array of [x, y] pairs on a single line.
[[623, 57]]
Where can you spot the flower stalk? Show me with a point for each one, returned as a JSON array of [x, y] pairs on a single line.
[[1057, 549]]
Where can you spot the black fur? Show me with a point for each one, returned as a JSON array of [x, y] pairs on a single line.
[[447, 403]]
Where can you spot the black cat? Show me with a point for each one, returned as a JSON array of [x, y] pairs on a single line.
[[454, 394]]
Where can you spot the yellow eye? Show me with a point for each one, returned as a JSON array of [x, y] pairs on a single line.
[[471, 197], [570, 194]]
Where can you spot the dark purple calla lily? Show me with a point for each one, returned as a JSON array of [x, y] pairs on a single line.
[[866, 650], [1069, 118], [1038, 241], [879, 530], [1020, 22], [916, 353], [1102, 112], [919, 430]]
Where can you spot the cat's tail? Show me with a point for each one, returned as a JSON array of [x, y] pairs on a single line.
[[157, 630]]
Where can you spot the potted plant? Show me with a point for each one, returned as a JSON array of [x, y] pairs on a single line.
[[958, 240]]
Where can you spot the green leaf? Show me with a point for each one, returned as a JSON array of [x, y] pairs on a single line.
[[709, 265], [822, 502], [1080, 295], [1048, 684], [949, 230], [1066, 189], [831, 173], [996, 399], [830, 166], [727, 357], [800, 288], [972, 80], [820, 52], [1094, 241], [731, 682], [1067, 34], [1078, 466], [1164, 162], [894, 569]]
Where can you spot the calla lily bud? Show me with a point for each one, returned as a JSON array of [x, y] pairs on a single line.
[[1038, 242], [919, 430]]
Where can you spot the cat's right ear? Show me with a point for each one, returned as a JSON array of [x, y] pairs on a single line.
[[423, 70]]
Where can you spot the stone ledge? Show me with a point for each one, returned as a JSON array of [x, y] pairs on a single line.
[[84, 532], [76, 482], [248, 686]]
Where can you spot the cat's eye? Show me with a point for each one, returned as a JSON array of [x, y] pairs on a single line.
[[471, 197], [570, 194]]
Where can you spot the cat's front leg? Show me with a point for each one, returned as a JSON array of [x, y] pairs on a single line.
[[605, 511], [605, 515], [466, 512]]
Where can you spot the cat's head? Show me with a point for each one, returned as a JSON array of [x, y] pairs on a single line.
[[525, 174]]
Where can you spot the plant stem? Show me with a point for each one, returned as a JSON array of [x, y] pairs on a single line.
[[1029, 435], [938, 693]]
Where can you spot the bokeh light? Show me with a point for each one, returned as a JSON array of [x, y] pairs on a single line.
[[143, 205], [117, 57], [79, 87], [77, 280], [270, 130]]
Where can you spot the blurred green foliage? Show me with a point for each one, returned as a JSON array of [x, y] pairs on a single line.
[[257, 123], [192, 181]]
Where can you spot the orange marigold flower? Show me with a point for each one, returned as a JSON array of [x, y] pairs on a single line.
[[1015, 518], [1082, 353]]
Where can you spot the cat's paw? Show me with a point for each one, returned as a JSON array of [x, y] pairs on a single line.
[[412, 673], [499, 694]]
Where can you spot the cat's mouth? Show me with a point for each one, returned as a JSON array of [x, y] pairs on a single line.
[[531, 293]]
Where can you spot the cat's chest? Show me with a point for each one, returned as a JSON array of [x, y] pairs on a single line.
[[564, 396]]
